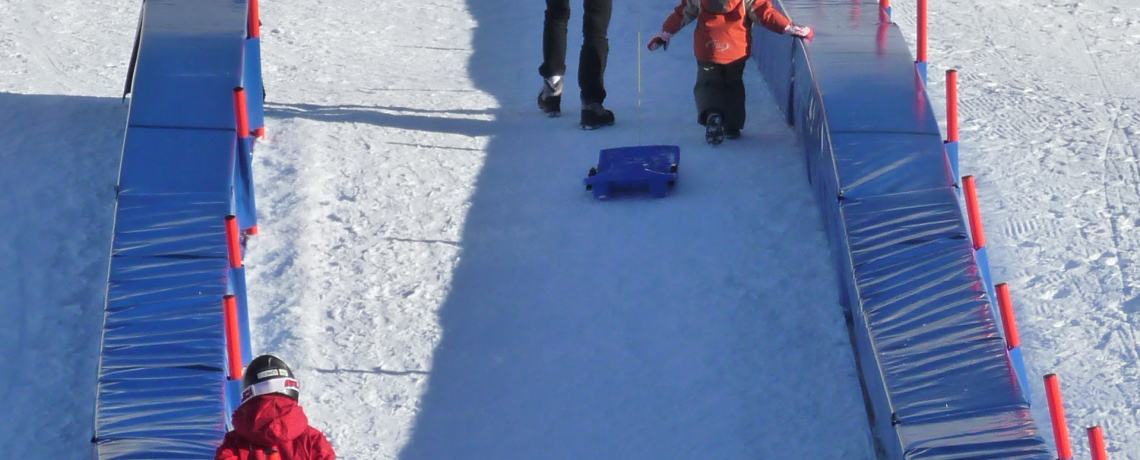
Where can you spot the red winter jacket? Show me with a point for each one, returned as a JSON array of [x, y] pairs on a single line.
[[269, 423], [724, 27]]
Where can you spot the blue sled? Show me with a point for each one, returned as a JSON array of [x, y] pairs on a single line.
[[651, 166]]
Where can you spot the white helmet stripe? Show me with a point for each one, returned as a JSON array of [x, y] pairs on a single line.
[[270, 386]]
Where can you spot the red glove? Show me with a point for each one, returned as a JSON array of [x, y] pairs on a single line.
[[660, 40], [796, 30]]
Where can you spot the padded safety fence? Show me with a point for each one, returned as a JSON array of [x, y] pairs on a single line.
[[935, 370], [162, 369]]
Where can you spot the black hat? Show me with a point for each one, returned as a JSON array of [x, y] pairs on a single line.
[[268, 374]]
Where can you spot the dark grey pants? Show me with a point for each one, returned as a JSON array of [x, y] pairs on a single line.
[[595, 45], [720, 88]]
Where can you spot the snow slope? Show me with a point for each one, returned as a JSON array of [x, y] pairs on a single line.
[[1049, 126], [61, 125], [408, 172], [446, 288]]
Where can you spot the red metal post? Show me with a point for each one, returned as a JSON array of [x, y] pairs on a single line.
[[254, 19], [921, 31], [1007, 320], [242, 114], [233, 345], [951, 106], [884, 4], [1057, 416], [1096, 443], [974, 213], [232, 241]]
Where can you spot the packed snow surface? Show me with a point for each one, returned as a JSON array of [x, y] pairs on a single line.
[[444, 287], [434, 268]]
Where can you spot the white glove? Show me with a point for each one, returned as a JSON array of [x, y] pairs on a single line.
[[796, 30], [660, 40]]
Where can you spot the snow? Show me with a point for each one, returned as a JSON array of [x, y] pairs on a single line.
[[1049, 127], [432, 266], [444, 287], [61, 128]]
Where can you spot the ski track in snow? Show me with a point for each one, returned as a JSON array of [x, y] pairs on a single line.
[[1049, 126], [446, 288]]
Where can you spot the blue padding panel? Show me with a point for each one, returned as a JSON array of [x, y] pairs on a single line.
[[189, 63], [870, 164], [254, 87], [161, 378], [939, 382], [176, 225], [176, 160]]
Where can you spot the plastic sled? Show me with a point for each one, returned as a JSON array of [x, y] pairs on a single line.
[[649, 166]]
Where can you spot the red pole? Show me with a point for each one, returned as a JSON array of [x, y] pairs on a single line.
[[921, 30], [242, 114], [884, 4], [254, 19], [1007, 321], [232, 241], [233, 348], [1057, 416], [951, 106], [975, 214], [1096, 443]]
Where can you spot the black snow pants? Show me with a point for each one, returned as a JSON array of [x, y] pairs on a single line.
[[720, 88], [595, 45]]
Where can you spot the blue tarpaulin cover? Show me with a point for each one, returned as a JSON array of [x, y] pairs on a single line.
[[939, 381], [162, 366]]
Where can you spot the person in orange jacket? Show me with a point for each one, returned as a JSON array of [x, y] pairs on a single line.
[[722, 43], [269, 424]]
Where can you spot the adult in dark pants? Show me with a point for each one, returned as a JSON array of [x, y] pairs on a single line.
[[591, 61]]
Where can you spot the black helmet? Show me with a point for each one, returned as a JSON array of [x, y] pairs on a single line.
[[268, 374]]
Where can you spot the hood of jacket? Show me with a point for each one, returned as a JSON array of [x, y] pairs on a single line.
[[270, 420]]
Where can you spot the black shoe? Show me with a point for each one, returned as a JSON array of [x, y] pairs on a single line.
[[731, 133], [714, 129], [550, 98], [595, 116]]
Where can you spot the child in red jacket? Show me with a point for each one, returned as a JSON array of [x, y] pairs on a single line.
[[722, 44], [269, 424]]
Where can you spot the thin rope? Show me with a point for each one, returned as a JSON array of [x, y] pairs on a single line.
[[638, 45]]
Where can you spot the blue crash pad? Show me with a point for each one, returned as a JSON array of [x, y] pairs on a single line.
[[648, 166]]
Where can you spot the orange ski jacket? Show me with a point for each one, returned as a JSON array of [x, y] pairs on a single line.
[[724, 27]]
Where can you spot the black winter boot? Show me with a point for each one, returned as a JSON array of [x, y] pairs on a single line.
[[714, 128], [550, 97], [595, 116]]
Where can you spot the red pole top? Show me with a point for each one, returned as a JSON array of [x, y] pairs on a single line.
[[1057, 416], [242, 114], [951, 106], [233, 346], [1096, 443], [884, 4], [921, 30], [232, 241], [254, 19], [1007, 320], [975, 214]]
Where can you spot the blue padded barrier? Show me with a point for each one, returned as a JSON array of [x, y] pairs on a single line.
[[251, 81], [162, 368], [938, 379]]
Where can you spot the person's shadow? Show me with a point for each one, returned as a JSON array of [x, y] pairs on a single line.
[[59, 157], [633, 328]]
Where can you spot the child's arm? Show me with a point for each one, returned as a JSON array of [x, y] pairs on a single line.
[[683, 14], [763, 12]]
